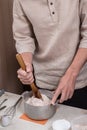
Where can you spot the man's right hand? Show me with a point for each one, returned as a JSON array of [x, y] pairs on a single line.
[[26, 77]]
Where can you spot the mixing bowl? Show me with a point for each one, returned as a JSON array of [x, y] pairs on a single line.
[[38, 112]]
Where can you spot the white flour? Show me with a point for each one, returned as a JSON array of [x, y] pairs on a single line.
[[39, 102], [61, 125]]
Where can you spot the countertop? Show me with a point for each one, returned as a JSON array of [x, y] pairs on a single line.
[[63, 112]]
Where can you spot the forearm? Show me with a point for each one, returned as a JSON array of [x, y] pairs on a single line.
[[78, 62], [67, 83], [27, 57]]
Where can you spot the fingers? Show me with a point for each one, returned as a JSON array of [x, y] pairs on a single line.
[[65, 95], [71, 94], [30, 81], [29, 68], [56, 94], [21, 72], [26, 77]]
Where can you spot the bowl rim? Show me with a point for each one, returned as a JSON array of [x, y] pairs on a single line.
[[30, 92]]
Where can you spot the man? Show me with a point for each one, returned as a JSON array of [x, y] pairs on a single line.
[[51, 35]]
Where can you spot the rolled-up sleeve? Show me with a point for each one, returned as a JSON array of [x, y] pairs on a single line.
[[22, 30], [83, 27]]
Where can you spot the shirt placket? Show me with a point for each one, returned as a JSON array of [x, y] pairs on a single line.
[[53, 12]]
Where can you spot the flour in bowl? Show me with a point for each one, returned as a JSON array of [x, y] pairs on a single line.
[[39, 102]]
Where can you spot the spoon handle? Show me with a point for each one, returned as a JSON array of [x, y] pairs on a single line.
[[33, 86]]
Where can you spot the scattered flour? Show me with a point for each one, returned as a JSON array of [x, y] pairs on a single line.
[[39, 102]]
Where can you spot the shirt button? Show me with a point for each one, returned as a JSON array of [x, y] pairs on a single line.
[[53, 12], [51, 3]]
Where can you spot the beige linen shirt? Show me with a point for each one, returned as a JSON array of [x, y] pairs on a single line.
[[52, 30]]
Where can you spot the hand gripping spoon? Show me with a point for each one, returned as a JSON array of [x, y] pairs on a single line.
[[35, 90]]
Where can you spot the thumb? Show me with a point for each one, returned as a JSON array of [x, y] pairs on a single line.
[[28, 68]]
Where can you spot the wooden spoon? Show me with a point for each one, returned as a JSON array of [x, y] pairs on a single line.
[[35, 90]]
